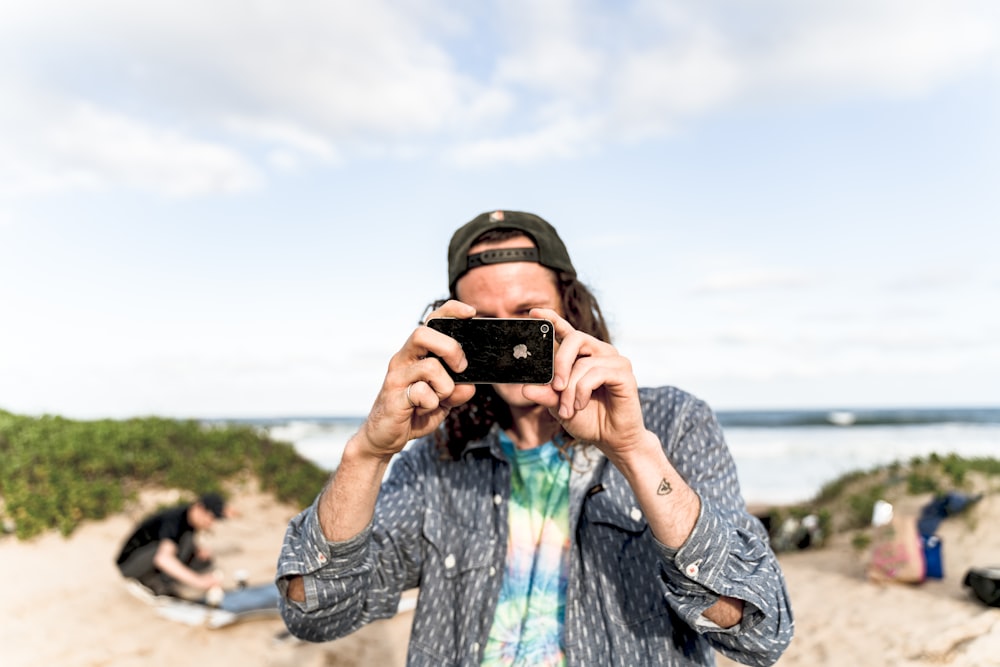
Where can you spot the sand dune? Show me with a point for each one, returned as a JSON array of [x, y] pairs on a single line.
[[63, 603]]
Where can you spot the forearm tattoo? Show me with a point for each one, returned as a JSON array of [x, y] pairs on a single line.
[[665, 488]]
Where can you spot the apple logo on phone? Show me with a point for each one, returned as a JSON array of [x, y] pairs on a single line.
[[521, 351]]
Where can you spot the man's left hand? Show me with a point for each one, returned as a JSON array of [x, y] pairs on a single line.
[[593, 392]]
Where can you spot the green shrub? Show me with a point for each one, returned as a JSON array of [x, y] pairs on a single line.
[[56, 472], [861, 504], [861, 541], [846, 503], [918, 482]]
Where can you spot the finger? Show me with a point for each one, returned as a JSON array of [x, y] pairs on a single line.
[[445, 350], [412, 398], [573, 344], [417, 384], [446, 391], [590, 374], [542, 394], [561, 330], [426, 343], [420, 396], [562, 326], [452, 308], [572, 350], [565, 330], [431, 386], [463, 393]]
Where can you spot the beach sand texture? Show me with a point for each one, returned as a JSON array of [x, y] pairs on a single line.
[[63, 603]]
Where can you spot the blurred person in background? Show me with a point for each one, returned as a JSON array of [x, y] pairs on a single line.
[[163, 551]]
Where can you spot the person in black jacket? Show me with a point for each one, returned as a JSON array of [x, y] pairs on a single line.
[[162, 551]]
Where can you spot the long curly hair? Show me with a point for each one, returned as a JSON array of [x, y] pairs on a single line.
[[473, 420]]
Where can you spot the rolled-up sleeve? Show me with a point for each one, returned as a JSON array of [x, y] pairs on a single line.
[[727, 553], [335, 577], [351, 583]]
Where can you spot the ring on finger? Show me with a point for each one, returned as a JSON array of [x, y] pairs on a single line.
[[408, 399]]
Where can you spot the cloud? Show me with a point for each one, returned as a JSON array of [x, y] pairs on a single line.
[[189, 98], [656, 67], [876, 340], [550, 48], [750, 279], [884, 47], [721, 353], [286, 134], [567, 138], [935, 278], [80, 146], [180, 97]]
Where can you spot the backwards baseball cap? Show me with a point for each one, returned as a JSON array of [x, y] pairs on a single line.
[[214, 503], [550, 250]]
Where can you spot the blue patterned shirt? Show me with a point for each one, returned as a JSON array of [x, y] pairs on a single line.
[[442, 526]]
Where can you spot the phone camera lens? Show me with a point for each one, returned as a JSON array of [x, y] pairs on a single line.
[[544, 328]]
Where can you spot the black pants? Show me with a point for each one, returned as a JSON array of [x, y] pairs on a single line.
[[139, 565]]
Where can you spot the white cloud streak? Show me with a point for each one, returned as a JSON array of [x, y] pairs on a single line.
[[190, 98], [751, 279]]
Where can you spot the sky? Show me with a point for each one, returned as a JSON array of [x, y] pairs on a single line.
[[240, 208]]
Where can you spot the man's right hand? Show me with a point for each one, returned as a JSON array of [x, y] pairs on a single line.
[[417, 392], [208, 581]]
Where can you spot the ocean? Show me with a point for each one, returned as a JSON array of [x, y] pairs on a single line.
[[782, 456]]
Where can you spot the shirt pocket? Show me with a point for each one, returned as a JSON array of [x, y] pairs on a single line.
[[455, 549], [618, 546], [454, 586]]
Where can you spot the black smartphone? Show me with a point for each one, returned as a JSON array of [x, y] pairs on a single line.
[[501, 350]]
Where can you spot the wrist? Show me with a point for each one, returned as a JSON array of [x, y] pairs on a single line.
[[670, 505], [360, 450], [347, 503], [640, 458]]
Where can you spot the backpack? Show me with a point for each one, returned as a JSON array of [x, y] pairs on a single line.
[[897, 554], [985, 583]]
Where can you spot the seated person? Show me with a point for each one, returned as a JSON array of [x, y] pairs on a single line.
[[162, 551]]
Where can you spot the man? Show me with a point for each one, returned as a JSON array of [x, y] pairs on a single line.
[[162, 552], [584, 522]]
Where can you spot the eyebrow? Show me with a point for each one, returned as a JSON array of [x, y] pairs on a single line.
[[520, 308]]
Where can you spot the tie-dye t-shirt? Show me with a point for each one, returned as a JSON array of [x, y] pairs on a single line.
[[528, 626]]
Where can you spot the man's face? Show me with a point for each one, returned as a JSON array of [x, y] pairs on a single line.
[[510, 289]]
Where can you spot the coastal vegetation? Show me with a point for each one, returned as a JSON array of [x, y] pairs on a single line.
[[846, 504], [56, 472]]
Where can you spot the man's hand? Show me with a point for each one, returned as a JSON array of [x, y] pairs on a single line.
[[167, 562], [595, 396], [415, 398], [417, 392], [593, 393]]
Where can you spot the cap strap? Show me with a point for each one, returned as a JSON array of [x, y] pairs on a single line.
[[501, 255]]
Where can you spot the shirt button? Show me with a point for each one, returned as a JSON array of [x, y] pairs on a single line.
[[475, 647], [449, 561], [692, 570], [321, 558], [493, 571], [636, 514], [497, 499]]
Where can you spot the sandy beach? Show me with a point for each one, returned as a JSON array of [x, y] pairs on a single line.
[[63, 603]]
